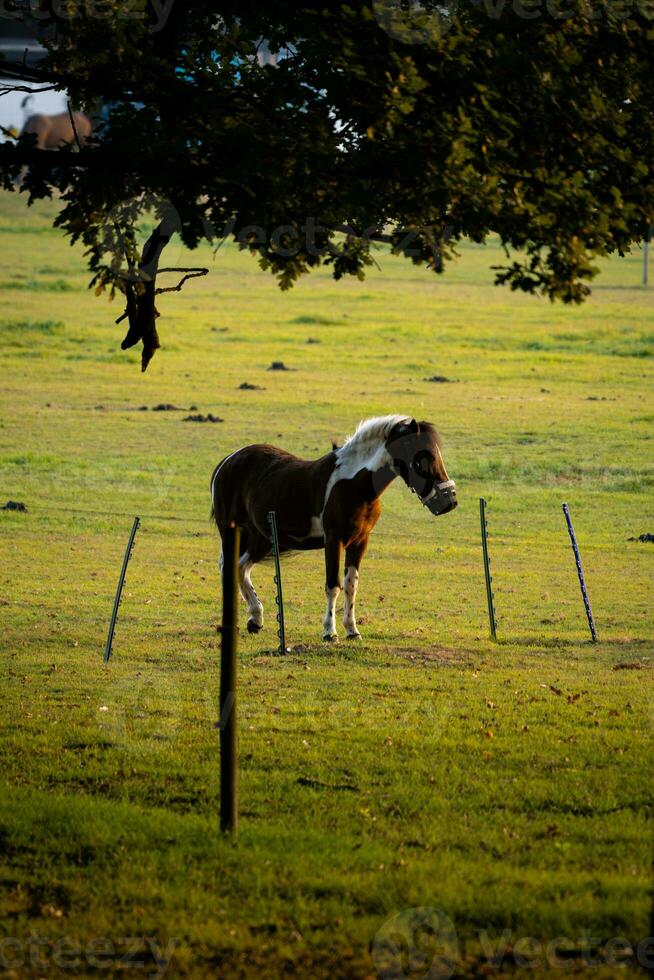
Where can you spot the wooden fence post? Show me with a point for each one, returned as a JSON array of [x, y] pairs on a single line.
[[229, 636]]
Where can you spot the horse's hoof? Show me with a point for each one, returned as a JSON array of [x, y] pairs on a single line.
[[330, 637], [354, 636], [254, 627]]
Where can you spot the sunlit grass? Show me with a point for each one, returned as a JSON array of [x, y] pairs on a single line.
[[506, 785]]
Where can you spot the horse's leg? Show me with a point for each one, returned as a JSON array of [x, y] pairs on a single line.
[[255, 606], [333, 547], [242, 548], [353, 555], [257, 548]]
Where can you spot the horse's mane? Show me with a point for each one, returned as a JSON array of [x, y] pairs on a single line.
[[374, 429], [378, 429]]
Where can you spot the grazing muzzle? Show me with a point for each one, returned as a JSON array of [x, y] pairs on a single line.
[[441, 498]]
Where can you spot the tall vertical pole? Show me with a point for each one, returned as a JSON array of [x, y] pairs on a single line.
[[229, 635], [645, 260], [487, 574], [580, 574]]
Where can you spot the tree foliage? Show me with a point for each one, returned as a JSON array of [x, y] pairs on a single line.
[[380, 120]]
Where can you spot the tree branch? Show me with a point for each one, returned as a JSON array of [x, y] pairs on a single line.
[[7, 89], [140, 309], [72, 122], [192, 273]]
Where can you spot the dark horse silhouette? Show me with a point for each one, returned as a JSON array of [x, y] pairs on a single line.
[[331, 502]]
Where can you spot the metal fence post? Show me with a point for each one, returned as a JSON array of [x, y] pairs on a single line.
[[580, 574], [119, 589], [487, 573], [279, 596], [645, 260]]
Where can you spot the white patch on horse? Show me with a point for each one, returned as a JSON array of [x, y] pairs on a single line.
[[255, 607], [350, 592], [316, 530], [365, 450], [329, 622]]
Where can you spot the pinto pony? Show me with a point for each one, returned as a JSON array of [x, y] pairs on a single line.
[[331, 502]]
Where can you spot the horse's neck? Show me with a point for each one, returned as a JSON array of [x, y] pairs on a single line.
[[369, 454]]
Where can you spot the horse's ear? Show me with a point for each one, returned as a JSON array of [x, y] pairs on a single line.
[[404, 428]]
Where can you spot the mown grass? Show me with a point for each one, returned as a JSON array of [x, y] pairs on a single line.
[[507, 785]]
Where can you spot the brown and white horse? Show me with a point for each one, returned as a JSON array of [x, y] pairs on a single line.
[[55, 132], [331, 502]]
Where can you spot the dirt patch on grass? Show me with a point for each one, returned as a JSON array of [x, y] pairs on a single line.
[[436, 656]]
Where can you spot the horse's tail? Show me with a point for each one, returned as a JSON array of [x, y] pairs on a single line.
[[226, 504], [212, 513], [213, 516]]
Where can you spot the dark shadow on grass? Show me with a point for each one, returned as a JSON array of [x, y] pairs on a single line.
[[551, 642], [301, 652], [542, 642]]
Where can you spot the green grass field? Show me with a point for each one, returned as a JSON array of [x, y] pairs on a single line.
[[507, 786]]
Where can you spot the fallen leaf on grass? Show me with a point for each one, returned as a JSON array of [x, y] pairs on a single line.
[[51, 912]]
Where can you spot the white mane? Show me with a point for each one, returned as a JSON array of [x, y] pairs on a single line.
[[365, 449], [373, 430]]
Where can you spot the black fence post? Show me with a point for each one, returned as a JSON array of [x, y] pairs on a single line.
[[580, 574], [279, 597], [490, 598], [229, 636], [119, 590]]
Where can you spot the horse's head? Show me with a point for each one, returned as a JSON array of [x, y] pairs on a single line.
[[414, 448]]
